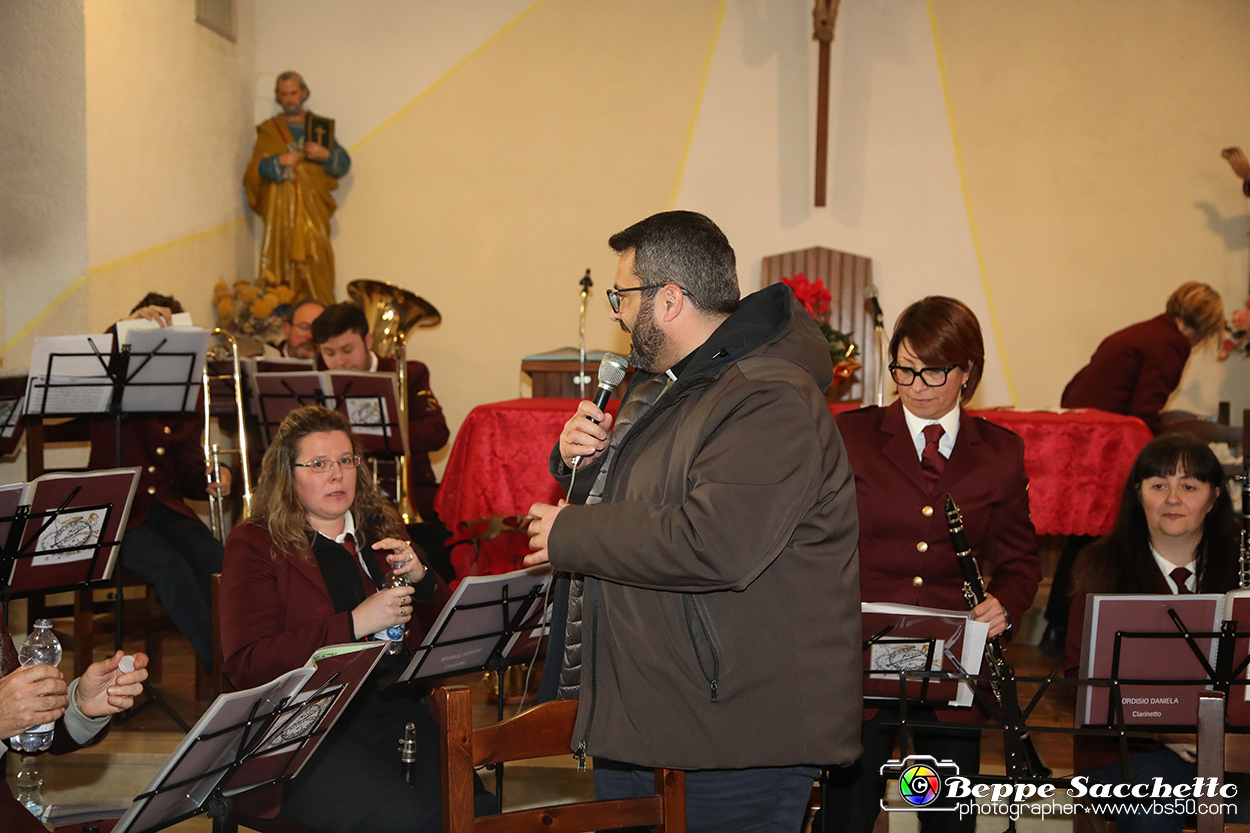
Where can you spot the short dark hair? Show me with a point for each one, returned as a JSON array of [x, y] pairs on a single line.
[[687, 249], [1121, 562], [942, 331], [299, 305], [155, 299], [290, 75], [338, 319]]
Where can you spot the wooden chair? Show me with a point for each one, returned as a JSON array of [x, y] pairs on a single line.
[[847, 276], [543, 731], [1218, 753]]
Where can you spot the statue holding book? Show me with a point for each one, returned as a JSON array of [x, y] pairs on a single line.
[[294, 167]]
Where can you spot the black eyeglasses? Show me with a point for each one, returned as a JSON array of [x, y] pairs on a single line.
[[614, 294], [933, 377], [323, 466]]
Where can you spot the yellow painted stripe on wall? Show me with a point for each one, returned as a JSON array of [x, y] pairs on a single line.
[[698, 103], [972, 220], [82, 280], [442, 79]]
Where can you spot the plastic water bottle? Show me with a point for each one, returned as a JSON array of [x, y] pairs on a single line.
[[40, 648], [28, 783], [395, 633]]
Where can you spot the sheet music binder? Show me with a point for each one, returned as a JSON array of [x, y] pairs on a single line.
[[96, 382], [249, 740], [898, 637], [1150, 655], [63, 531], [483, 620], [367, 398]]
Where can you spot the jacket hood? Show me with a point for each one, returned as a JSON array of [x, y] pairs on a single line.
[[769, 321]]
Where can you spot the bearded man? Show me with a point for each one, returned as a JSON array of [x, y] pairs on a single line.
[[712, 615], [288, 183]]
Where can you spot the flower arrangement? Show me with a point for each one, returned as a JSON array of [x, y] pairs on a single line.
[[815, 297], [252, 309], [1238, 338]]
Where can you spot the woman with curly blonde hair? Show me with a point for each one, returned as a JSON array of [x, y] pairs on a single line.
[[307, 570]]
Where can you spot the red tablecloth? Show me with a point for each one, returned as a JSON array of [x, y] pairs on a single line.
[[1076, 462]]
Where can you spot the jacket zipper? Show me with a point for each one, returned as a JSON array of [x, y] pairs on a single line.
[[590, 602], [704, 648]]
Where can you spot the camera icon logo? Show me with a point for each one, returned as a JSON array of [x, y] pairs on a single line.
[[921, 779], [919, 785]]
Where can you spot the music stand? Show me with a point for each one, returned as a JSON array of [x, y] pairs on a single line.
[[123, 382], [480, 628], [251, 740], [62, 532]]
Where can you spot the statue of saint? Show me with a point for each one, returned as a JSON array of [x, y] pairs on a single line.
[[288, 183]]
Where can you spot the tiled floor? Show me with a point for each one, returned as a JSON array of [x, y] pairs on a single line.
[[122, 764]]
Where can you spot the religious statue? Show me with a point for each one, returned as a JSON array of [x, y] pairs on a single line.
[[295, 166]]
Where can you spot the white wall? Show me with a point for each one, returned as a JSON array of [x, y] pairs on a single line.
[[43, 168]]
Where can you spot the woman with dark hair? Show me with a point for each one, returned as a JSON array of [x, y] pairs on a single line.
[[907, 458], [306, 570], [1175, 533]]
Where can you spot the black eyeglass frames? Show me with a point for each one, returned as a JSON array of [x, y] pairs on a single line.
[[933, 377], [614, 294]]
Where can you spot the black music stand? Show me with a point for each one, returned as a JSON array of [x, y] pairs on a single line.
[[480, 628], [250, 740], [150, 381], [73, 543]]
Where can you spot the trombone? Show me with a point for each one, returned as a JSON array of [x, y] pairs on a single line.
[[393, 312], [213, 453]]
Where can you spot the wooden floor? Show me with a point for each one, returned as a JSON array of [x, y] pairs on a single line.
[[122, 764]]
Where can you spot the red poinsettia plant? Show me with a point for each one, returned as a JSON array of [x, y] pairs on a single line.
[[815, 297]]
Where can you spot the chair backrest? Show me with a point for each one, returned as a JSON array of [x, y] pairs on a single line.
[[543, 731], [1211, 757], [219, 682]]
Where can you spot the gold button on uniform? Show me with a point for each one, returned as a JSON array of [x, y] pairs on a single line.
[[917, 582], [151, 469], [166, 429], [151, 490], [927, 511], [160, 452], [922, 547]]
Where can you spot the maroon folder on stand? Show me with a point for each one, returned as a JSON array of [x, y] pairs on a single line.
[[74, 529], [1119, 620]]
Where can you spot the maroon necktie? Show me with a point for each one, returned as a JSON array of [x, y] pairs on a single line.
[[931, 460], [1179, 575]]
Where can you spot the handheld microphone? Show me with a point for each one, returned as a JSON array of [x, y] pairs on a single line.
[[870, 292], [611, 373]]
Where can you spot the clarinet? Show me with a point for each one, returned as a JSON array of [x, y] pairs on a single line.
[[1003, 683], [408, 754]]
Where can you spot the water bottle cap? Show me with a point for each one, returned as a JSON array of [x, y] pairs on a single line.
[[43, 624]]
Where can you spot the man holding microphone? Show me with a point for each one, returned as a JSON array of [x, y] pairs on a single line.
[[711, 533]]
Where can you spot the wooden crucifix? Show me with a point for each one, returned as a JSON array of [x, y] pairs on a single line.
[[823, 17]]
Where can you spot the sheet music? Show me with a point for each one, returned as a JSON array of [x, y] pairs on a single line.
[[177, 356], [466, 639], [368, 414], [126, 327], [80, 382], [9, 410]]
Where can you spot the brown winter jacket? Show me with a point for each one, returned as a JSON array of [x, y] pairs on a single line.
[[720, 623]]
